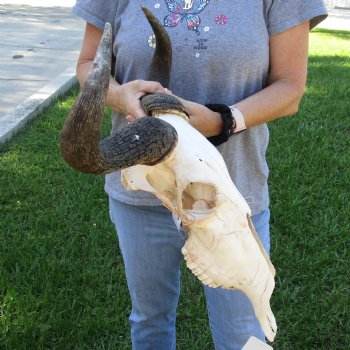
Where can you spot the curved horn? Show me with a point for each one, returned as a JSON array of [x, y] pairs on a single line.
[[81, 132], [146, 141], [160, 67]]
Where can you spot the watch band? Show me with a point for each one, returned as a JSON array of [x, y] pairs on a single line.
[[239, 123], [227, 123]]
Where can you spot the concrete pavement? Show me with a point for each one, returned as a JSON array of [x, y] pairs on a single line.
[[40, 42], [338, 19]]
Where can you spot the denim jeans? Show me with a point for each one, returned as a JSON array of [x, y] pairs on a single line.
[[151, 248]]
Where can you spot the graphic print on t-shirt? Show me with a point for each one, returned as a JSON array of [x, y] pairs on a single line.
[[190, 14], [185, 10]]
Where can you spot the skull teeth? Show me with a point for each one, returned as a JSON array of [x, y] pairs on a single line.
[[196, 270]]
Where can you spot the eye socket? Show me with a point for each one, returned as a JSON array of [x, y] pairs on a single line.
[[198, 196]]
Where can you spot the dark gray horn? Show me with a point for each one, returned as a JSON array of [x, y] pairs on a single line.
[[160, 67], [146, 141], [159, 70]]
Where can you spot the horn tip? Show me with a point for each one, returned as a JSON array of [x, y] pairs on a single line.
[[108, 28], [147, 12]]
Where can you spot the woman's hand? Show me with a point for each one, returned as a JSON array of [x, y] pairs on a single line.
[[203, 119], [126, 98]]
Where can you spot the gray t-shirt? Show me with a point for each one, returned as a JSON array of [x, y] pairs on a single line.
[[220, 55]]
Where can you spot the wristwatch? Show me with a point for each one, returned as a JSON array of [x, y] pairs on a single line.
[[238, 120]]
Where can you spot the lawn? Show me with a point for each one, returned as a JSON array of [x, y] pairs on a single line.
[[62, 283]]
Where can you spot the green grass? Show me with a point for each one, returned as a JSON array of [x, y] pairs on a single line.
[[62, 283], [309, 160]]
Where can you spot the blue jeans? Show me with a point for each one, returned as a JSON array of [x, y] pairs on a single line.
[[151, 247]]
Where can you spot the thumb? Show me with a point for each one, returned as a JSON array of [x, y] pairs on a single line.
[[130, 119]]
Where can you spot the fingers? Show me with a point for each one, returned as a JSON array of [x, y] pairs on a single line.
[[129, 94], [143, 87], [151, 87]]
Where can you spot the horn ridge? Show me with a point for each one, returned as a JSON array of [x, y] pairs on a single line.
[[80, 135], [162, 102], [146, 141]]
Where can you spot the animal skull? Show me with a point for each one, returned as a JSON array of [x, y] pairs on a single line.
[[222, 248], [166, 156]]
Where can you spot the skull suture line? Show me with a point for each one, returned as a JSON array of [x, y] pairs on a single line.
[[166, 156]]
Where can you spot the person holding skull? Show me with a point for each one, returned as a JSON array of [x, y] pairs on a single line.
[[236, 66]]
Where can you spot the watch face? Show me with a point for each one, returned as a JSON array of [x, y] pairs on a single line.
[[234, 124]]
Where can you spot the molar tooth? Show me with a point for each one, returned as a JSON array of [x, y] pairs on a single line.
[[206, 280], [191, 265]]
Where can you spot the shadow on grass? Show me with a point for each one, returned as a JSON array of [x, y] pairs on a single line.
[[339, 34], [329, 62], [328, 79]]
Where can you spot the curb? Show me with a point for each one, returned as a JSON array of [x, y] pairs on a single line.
[[16, 119]]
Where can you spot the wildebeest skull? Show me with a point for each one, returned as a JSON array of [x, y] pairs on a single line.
[[164, 155]]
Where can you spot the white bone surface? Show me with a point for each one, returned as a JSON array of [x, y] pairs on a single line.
[[222, 248]]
